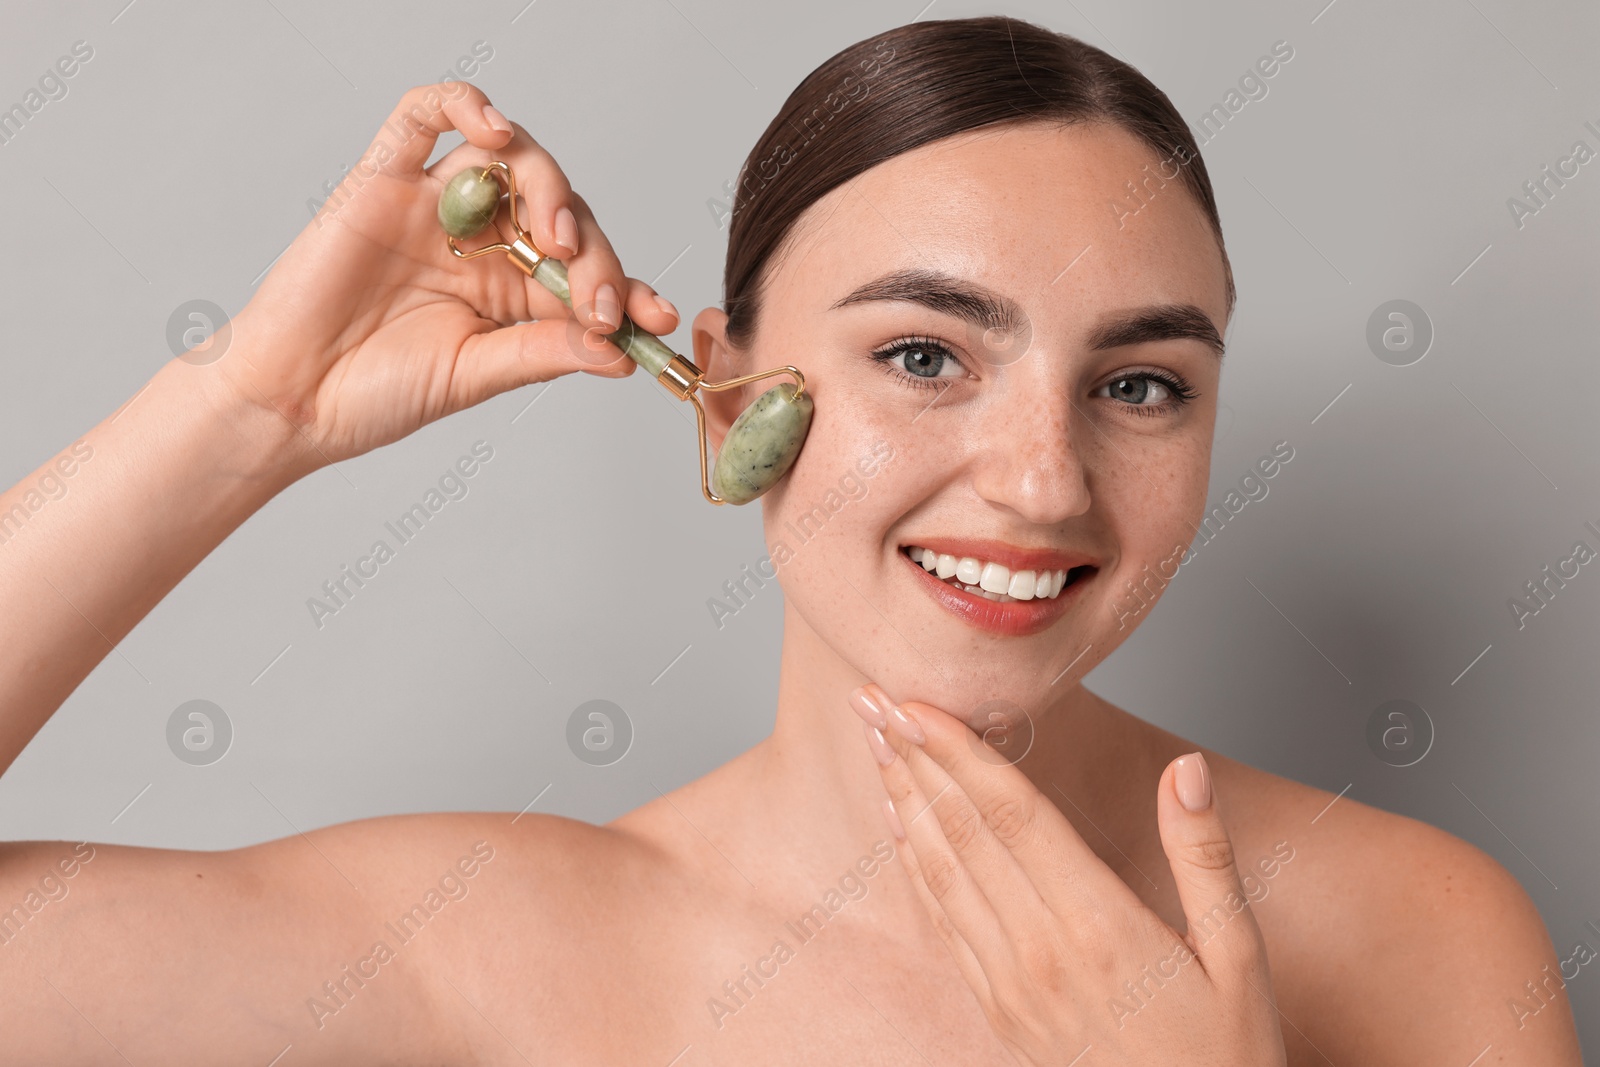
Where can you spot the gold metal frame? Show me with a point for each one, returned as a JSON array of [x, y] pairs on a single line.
[[680, 376]]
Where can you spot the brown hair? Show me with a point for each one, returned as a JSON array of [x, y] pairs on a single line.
[[927, 81]]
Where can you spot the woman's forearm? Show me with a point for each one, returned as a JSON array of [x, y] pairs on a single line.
[[99, 533]]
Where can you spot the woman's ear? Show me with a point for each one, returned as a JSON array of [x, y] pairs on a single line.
[[713, 356]]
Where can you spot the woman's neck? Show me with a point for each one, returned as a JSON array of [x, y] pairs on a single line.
[[816, 789]]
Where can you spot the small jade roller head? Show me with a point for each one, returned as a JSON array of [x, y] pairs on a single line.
[[763, 441]]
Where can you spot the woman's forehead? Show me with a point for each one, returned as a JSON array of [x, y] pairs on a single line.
[[1023, 206]]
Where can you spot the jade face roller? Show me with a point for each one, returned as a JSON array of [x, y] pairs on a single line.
[[763, 441]]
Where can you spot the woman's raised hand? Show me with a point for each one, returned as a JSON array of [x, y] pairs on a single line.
[[1050, 939], [368, 328]]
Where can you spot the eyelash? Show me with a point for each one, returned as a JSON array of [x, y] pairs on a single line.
[[1180, 390]]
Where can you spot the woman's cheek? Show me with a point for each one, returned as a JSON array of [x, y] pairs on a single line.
[[848, 445], [1154, 514], [825, 522]]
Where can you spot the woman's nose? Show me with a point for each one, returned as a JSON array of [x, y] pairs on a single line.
[[1030, 457]]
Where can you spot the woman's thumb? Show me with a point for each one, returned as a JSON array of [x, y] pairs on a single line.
[[526, 352]]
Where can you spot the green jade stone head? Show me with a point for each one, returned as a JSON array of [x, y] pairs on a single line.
[[762, 444], [468, 203]]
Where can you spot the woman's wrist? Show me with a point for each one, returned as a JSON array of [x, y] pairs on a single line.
[[249, 440]]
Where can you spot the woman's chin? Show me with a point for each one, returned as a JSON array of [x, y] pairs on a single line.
[[998, 708]]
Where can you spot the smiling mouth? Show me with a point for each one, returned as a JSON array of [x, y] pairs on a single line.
[[993, 581], [992, 611]]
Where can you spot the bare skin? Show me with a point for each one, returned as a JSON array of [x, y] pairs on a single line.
[[1390, 942]]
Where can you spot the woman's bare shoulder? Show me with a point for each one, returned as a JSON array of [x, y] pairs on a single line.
[[522, 864], [1389, 936], [536, 918], [393, 936]]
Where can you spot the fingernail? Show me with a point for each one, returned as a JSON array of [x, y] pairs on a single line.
[[870, 713], [892, 817], [906, 726], [881, 749], [666, 305], [605, 305], [492, 116], [1193, 782], [567, 230]]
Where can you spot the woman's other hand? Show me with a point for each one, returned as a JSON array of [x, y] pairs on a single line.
[[1063, 957]]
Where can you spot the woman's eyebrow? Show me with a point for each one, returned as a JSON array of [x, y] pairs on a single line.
[[984, 308], [1158, 322], [944, 293]]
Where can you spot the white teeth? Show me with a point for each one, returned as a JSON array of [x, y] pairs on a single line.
[[989, 579], [995, 578], [1045, 584], [1022, 586]]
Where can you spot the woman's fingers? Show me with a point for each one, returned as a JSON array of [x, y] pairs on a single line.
[[592, 270], [407, 139], [956, 904], [1222, 928], [590, 335], [494, 361], [548, 209], [596, 286], [1015, 818], [960, 951], [966, 832], [650, 309]]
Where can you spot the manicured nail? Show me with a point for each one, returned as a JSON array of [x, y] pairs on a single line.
[[1193, 781], [906, 726], [567, 230], [605, 305], [892, 817], [870, 713], [492, 116], [666, 305], [881, 749]]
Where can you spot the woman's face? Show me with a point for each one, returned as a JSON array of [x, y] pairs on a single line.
[[1062, 440]]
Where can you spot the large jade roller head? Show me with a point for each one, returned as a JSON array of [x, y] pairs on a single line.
[[763, 441]]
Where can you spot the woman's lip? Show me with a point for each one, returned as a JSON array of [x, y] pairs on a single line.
[[1017, 619]]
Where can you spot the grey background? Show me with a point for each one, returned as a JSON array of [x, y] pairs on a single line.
[[1378, 167]]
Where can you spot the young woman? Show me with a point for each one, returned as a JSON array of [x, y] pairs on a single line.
[[999, 866]]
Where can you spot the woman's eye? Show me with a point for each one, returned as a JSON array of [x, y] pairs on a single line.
[[1141, 390], [1149, 393], [919, 362]]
